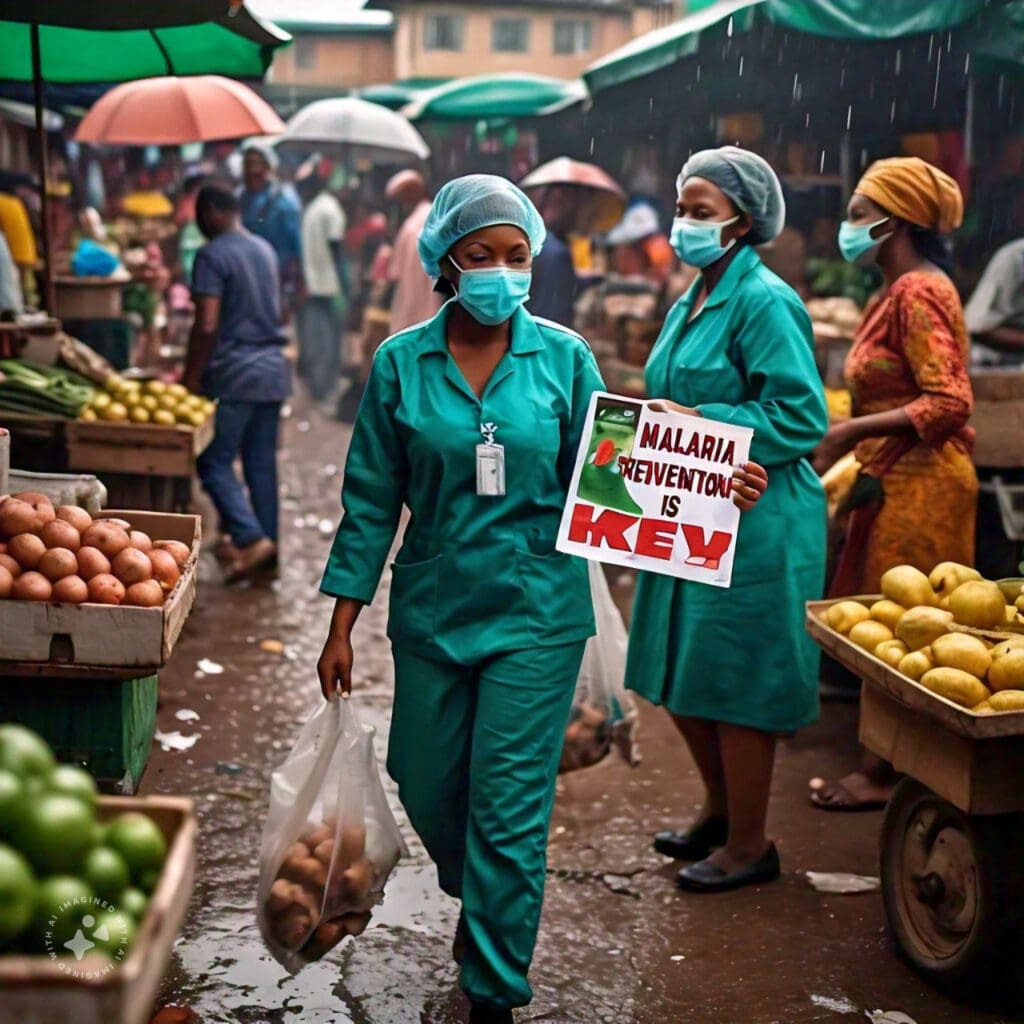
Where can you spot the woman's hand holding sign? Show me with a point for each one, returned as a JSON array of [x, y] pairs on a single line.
[[749, 482]]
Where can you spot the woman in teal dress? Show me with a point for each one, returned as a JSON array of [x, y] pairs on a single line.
[[735, 667]]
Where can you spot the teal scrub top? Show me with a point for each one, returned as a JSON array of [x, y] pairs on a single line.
[[475, 576], [741, 655]]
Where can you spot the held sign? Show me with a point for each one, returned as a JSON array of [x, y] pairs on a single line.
[[653, 491]]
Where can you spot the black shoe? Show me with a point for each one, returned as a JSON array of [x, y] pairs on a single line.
[[459, 942], [706, 877], [696, 843], [479, 1014]]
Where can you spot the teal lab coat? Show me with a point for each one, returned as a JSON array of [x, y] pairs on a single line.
[[742, 655], [488, 621]]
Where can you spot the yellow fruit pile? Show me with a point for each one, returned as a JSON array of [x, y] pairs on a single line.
[[152, 401], [912, 630]]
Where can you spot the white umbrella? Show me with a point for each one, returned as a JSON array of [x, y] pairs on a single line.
[[354, 128], [25, 114]]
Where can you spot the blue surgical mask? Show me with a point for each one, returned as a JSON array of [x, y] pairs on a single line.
[[492, 294], [699, 242], [856, 243]]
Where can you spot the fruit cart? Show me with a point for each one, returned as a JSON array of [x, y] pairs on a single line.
[[953, 834]]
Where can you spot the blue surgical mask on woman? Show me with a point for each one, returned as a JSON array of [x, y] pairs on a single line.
[[699, 242], [856, 243], [492, 294]]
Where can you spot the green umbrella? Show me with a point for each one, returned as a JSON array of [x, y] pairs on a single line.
[[395, 95], [500, 96], [239, 47], [117, 41]]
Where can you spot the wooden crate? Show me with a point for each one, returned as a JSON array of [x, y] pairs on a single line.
[[998, 418], [86, 298], [143, 448], [104, 723], [43, 991], [105, 635]]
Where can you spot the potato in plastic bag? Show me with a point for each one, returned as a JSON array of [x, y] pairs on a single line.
[[330, 840], [604, 714]]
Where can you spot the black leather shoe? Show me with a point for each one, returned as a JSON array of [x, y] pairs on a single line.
[[696, 843], [459, 942], [706, 877], [489, 1015]]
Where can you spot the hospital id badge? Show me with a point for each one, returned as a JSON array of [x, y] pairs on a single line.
[[490, 470]]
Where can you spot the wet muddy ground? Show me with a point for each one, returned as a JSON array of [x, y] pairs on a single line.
[[618, 943]]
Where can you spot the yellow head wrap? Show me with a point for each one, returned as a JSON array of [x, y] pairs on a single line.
[[910, 188]]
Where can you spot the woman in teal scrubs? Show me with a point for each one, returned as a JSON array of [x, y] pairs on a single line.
[[735, 667], [472, 420]]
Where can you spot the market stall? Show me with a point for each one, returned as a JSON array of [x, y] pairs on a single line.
[[942, 700]]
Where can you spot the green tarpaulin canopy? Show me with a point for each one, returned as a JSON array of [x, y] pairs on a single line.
[[502, 96], [665, 46], [996, 27], [872, 19]]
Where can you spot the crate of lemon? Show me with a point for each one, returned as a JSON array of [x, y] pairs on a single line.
[[93, 890], [148, 427], [950, 634]]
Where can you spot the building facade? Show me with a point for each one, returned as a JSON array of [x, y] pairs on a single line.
[[547, 37], [345, 56]]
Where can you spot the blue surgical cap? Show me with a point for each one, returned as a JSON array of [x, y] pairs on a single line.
[[748, 180], [468, 204]]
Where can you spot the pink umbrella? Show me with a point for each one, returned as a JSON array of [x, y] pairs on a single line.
[[170, 111], [604, 201]]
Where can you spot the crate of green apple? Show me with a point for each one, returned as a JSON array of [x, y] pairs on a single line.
[[109, 590], [93, 890]]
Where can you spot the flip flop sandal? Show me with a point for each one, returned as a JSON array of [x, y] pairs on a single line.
[[854, 807]]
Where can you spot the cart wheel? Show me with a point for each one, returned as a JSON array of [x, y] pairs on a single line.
[[950, 882]]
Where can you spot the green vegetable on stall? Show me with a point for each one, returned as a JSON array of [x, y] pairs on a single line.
[[27, 387]]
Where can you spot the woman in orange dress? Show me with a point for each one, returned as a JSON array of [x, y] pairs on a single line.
[[915, 499]]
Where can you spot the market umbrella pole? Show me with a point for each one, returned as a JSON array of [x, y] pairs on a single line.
[[49, 293]]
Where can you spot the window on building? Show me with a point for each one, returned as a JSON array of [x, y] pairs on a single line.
[[573, 36], [510, 35], [305, 53], [443, 32]]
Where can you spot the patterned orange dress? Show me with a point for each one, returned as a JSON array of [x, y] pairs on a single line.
[[911, 352]]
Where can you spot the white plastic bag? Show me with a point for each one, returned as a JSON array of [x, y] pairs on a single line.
[[604, 714], [330, 840]]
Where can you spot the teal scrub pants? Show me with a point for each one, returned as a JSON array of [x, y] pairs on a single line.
[[475, 751]]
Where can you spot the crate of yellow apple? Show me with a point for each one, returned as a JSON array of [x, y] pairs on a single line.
[[153, 401], [951, 633], [143, 427]]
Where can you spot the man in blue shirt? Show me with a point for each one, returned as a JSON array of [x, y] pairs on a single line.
[[273, 212], [236, 356]]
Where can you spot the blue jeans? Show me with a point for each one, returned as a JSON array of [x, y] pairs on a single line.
[[249, 430]]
